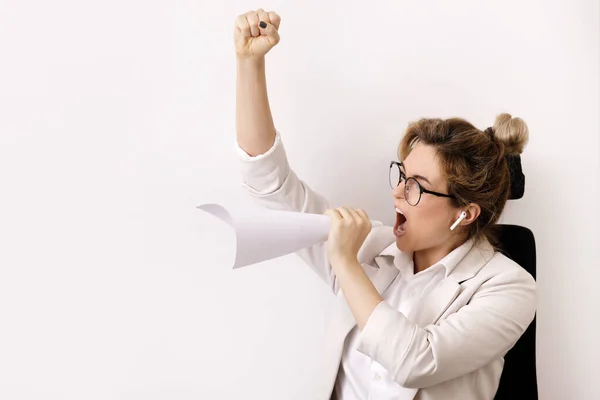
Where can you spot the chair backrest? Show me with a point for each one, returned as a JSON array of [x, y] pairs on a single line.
[[519, 378]]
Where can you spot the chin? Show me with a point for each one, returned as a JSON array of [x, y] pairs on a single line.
[[402, 245]]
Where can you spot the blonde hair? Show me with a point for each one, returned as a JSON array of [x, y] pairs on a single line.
[[513, 132], [473, 162]]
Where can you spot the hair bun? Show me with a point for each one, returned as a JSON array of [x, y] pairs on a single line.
[[512, 132]]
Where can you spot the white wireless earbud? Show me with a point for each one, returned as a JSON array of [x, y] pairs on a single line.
[[462, 216]]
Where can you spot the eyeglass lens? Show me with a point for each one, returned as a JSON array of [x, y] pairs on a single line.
[[412, 192]]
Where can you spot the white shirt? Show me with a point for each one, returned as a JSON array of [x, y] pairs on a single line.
[[359, 377]]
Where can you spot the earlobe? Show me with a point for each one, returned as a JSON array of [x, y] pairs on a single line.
[[462, 216]]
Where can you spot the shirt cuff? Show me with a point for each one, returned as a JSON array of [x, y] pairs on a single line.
[[247, 157], [265, 173]]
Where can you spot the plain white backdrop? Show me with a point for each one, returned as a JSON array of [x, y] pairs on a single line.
[[117, 118]]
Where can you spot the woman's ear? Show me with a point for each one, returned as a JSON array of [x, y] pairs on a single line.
[[473, 210], [467, 216]]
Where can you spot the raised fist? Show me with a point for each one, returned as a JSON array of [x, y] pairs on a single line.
[[255, 33]]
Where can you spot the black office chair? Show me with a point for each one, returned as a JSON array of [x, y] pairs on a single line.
[[519, 377]]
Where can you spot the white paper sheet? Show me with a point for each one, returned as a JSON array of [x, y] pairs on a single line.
[[263, 234]]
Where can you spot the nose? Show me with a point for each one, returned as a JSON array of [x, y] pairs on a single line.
[[398, 191]]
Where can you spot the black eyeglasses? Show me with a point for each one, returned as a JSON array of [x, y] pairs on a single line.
[[412, 188]]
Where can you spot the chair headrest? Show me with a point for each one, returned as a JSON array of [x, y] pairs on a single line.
[[517, 178]]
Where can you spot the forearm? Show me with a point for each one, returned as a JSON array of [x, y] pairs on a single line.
[[360, 293], [254, 122]]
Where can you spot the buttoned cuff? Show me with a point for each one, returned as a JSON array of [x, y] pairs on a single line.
[[386, 328], [265, 173]]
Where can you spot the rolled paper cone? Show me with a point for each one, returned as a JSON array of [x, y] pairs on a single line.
[[264, 234]]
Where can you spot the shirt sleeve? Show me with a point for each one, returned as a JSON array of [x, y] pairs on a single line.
[[272, 184], [247, 157]]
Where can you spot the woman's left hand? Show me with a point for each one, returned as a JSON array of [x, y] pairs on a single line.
[[349, 229]]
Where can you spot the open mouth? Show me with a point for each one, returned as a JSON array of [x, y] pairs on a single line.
[[400, 226]]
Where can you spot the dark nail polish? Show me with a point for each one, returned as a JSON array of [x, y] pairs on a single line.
[[262, 24]]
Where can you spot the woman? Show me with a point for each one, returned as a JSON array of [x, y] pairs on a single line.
[[427, 309]]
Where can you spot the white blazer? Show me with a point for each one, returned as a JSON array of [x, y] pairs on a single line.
[[454, 348]]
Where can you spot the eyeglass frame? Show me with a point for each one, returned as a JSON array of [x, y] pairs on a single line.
[[421, 188]]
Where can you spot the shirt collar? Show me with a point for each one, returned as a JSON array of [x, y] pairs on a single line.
[[455, 256], [450, 261]]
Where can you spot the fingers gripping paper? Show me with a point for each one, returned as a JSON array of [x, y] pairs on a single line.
[[263, 234]]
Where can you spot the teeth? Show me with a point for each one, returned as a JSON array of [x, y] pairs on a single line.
[[399, 211]]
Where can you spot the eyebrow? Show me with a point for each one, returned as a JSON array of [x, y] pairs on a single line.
[[421, 177]]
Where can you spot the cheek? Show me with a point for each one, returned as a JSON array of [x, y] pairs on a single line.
[[430, 218]]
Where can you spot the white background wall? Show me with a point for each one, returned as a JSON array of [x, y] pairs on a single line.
[[117, 119]]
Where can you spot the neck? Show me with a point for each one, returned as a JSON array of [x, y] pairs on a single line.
[[425, 258]]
